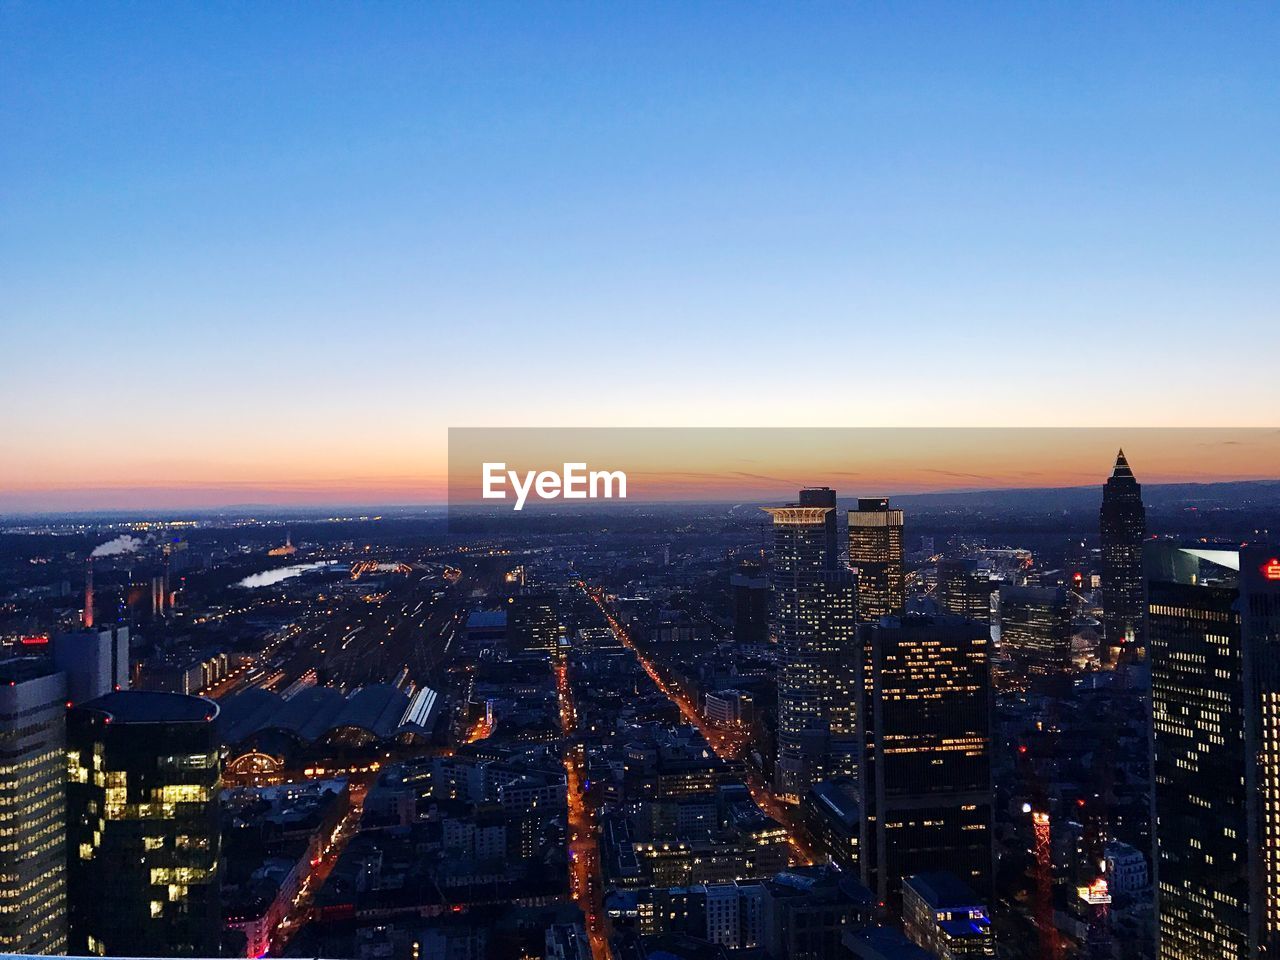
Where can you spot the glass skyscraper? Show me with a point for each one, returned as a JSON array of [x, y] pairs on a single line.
[[1124, 526], [1213, 628], [142, 825], [817, 610], [33, 886], [924, 694], [875, 552]]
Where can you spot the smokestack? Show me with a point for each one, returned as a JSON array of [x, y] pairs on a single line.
[[88, 594]]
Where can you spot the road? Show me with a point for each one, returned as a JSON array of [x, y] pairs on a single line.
[[728, 745], [583, 841]]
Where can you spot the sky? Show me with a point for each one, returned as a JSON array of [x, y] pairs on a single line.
[[273, 252]]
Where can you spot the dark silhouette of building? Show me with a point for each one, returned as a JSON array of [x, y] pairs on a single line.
[[750, 608], [533, 622], [142, 826], [1124, 527], [1213, 626], [925, 700], [875, 552]]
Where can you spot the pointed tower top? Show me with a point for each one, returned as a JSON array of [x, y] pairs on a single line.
[[1122, 466]]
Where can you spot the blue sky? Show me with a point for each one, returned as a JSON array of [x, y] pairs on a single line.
[[256, 240]]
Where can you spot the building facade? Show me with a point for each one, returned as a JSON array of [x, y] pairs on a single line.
[[144, 771], [817, 615], [875, 553], [1213, 629], [925, 763], [33, 768], [1123, 521]]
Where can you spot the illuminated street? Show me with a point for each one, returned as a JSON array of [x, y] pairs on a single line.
[[727, 745], [583, 842]]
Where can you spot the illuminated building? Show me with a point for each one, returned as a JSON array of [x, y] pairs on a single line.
[[1035, 630], [1124, 526], [817, 611], [945, 917], [33, 888], [824, 497], [532, 622], [142, 826], [875, 552], [925, 764], [1213, 624], [964, 589]]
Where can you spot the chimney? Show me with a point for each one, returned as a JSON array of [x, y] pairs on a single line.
[[88, 594]]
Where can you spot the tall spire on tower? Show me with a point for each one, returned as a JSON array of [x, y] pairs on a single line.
[[1122, 466]]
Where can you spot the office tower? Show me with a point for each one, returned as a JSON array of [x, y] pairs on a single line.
[[817, 609], [1124, 527], [824, 497], [96, 662], [941, 914], [33, 769], [964, 589], [1213, 629], [533, 622], [924, 695], [1035, 631], [142, 826], [750, 609], [875, 552]]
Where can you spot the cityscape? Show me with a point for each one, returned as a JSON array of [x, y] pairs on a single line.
[[882, 728], [664, 480]]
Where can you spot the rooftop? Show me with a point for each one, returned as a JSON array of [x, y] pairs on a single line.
[[147, 706]]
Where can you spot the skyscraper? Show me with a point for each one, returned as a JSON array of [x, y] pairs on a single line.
[[1124, 527], [1213, 626], [95, 661], [817, 609], [750, 608], [924, 695], [533, 622], [964, 589], [875, 552], [824, 497], [1035, 631], [142, 825], [33, 768]]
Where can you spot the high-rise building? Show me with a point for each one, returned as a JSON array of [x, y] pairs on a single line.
[[750, 609], [1035, 631], [924, 694], [875, 552], [817, 610], [33, 770], [1213, 629], [533, 622], [824, 497], [142, 826], [95, 661], [964, 589], [1124, 527]]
